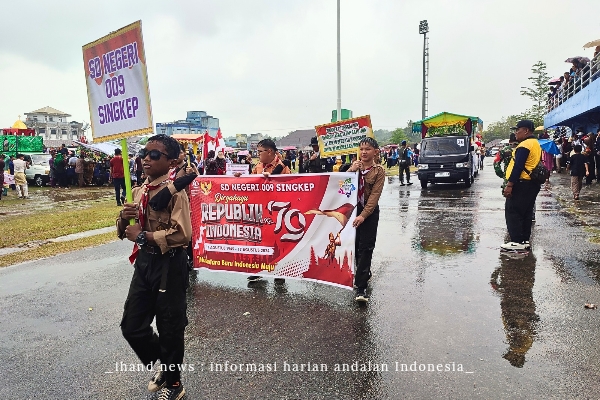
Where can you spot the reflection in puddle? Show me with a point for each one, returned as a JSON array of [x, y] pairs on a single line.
[[513, 281]]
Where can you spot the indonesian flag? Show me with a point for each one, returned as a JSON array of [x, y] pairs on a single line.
[[207, 145], [342, 214], [219, 142]]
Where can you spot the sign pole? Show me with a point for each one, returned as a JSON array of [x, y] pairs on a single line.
[[125, 153]]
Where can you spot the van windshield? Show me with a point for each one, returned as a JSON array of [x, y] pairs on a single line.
[[444, 146], [40, 159]]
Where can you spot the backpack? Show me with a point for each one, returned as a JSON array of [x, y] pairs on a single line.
[[539, 174]]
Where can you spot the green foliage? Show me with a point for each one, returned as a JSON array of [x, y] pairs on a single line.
[[383, 136], [538, 93], [500, 129], [398, 136]]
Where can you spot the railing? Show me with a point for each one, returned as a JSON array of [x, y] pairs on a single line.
[[589, 73]]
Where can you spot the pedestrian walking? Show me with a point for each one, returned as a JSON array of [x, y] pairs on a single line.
[[404, 163], [11, 170], [79, 169], [160, 277], [20, 179], [117, 174], [371, 177], [578, 167], [520, 190]]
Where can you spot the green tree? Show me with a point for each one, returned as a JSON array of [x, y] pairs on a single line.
[[538, 93], [500, 129], [398, 136]]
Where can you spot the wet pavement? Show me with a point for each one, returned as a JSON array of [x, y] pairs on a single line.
[[442, 297]]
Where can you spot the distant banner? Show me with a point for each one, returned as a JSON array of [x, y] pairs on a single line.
[[8, 178], [343, 137], [288, 226], [231, 169], [117, 84]]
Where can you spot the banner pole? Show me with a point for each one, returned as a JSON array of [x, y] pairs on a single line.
[[125, 153]]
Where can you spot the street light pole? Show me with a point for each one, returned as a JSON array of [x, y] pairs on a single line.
[[423, 30], [339, 67]]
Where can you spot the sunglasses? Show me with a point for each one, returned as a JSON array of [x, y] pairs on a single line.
[[154, 154]]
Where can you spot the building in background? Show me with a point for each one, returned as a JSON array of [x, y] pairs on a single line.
[[197, 122], [299, 139], [253, 139], [54, 126]]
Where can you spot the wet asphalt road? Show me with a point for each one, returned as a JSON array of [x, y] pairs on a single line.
[[441, 294]]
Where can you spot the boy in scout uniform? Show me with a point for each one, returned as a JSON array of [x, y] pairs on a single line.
[[160, 273]]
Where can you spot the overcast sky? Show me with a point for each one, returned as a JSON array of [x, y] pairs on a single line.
[[270, 65]]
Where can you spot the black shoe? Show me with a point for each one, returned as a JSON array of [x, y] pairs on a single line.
[[254, 278], [409, 183], [172, 393], [401, 183], [361, 296], [157, 382]]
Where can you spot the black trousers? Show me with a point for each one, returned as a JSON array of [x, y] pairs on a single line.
[[592, 166], [404, 168], [119, 183], [145, 301], [366, 234], [518, 210]]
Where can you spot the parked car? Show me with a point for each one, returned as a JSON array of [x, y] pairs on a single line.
[[39, 171]]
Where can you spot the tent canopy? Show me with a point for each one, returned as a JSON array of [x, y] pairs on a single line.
[[445, 119]]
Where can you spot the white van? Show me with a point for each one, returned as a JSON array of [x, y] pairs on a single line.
[[39, 170]]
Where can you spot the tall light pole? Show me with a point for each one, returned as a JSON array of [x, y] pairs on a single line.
[[339, 67], [423, 30]]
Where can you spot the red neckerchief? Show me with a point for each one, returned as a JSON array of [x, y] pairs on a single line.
[[361, 185], [142, 213]]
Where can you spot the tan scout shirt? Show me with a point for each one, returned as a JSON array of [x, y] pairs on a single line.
[[172, 226], [374, 180]]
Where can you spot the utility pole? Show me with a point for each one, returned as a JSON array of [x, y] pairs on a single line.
[[339, 67], [423, 30]]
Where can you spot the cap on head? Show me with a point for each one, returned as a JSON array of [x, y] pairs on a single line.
[[525, 123], [403, 143]]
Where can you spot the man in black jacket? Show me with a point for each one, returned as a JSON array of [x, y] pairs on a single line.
[[316, 164]]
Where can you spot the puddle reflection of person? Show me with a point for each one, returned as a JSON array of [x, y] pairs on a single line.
[[513, 281]]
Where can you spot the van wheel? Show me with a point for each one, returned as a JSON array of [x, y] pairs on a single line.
[[38, 181], [468, 182], [423, 183]]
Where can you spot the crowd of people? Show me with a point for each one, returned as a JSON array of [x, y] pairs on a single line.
[[582, 72]]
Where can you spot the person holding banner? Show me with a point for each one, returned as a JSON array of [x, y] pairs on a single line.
[[371, 177], [160, 277], [269, 164]]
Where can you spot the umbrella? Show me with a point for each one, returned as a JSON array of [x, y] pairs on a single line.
[[579, 58], [593, 43], [243, 153], [549, 146], [289, 148], [227, 149], [540, 128], [554, 81]]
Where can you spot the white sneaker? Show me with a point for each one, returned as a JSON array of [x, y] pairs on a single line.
[[513, 246], [527, 245]]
